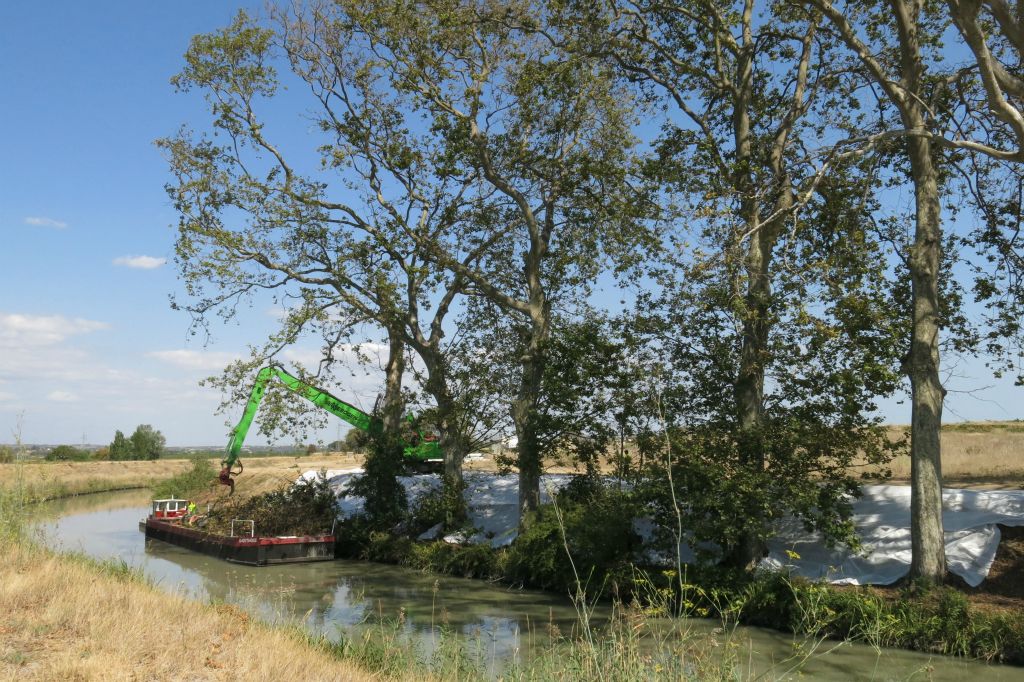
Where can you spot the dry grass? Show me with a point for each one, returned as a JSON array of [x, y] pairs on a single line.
[[49, 480], [63, 619], [974, 453]]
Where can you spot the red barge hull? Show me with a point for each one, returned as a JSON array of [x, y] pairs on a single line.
[[252, 551]]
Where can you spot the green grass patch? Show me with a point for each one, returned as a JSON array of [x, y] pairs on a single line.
[[935, 620]]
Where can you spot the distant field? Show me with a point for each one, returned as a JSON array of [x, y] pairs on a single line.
[[974, 453], [981, 452], [41, 480]]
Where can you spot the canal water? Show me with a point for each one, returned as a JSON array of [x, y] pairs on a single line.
[[500, 625]]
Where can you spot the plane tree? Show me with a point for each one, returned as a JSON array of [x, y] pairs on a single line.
[[948, 115], [457, 154], [327, 223], [548, 134], [759, 151]]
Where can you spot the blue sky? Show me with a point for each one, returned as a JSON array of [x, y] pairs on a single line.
[[88, 342]]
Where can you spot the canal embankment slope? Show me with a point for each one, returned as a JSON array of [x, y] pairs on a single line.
[[64, 617], [905, 613], [67, 616]]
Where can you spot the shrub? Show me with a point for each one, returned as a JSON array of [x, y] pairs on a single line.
[[386, 548], [445, 505], [386, 502], [467, 561], [597, 530], [67, 453], [189, 483]]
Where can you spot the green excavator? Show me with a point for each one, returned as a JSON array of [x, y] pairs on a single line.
[[423, 453]]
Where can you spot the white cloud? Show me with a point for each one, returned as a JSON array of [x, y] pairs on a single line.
[[44, 370], [307, 357], [344, 353], [23, 331], [194, 359], [140, 262], [41, 221]]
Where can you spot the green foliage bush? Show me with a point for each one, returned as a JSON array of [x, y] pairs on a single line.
[[585, 538], [938, 620], [67, 453], [445, 505], [467, 561], [189, 483], [387, 548], [386, 502]]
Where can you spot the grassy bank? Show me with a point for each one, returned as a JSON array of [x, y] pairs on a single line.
[[942, 620], [68, 616]]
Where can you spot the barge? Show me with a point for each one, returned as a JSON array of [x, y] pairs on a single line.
[[169, 521]]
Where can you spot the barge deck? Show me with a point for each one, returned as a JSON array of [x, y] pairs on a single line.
[[252, 550]]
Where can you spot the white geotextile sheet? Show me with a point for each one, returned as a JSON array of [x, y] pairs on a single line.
[[881, 516], [493, 499], [882, 519]]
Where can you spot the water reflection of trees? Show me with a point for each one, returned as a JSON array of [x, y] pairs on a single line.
[[325, 596], [92, 502], [334, 596], [275, 593]]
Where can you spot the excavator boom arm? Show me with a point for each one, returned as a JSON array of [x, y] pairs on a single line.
[[339, 408], [423, 451]]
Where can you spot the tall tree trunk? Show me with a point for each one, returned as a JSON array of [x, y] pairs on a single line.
[[928, 553], [749, 388], [386, 500], [524, 415], [452, 440], [395, 368]]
